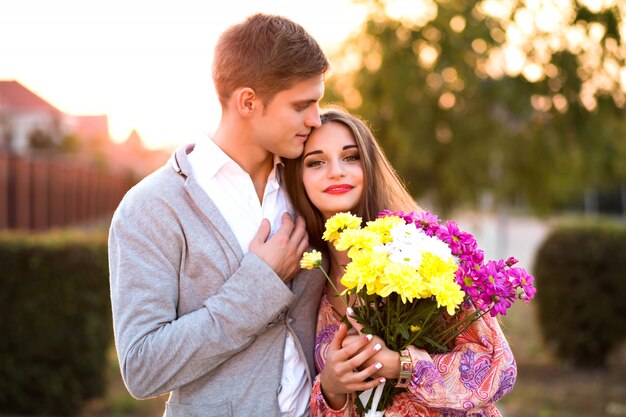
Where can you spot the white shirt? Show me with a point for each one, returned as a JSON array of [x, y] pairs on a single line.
[[233, 192]]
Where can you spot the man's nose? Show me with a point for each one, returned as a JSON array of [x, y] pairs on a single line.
[[313, 117]]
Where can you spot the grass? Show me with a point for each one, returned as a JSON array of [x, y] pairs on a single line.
[[544, 388], [547, 388], [556, 391]]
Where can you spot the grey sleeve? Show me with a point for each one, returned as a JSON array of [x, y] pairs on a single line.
[[159, 351]]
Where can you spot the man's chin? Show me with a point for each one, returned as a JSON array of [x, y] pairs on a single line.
[[293, 154]]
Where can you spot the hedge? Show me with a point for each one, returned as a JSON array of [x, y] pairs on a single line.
[[580, 274], [56, 321]]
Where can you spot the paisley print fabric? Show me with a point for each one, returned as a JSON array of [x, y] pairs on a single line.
[[465, 382], [473, 369], [425, 376]]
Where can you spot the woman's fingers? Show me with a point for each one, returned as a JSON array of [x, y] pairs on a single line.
[[344, 371], [364, 380], [349, 350], [372, 383], [359, 358], [337, 341], [355, 380], [352, 320]]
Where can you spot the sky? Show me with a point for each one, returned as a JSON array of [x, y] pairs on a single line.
[[146, 64]]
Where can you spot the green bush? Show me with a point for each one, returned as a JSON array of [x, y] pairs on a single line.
[[580, 274], [56, 321]]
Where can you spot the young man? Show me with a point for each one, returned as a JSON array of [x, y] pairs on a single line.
[[204, 253]]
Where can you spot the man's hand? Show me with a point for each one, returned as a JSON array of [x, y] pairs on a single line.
[[283, 251]]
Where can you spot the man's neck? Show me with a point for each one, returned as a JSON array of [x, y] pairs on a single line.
[[257, 162]]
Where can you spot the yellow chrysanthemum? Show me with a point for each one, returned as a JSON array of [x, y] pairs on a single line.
[[401, 279], [356, 239], [338, 223], [364, 270], [447, 293], [382, 225], [311, 260], [434, 266]]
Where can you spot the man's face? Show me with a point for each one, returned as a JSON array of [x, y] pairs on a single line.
[[283, 125]]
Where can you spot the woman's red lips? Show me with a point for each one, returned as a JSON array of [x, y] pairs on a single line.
[[338, 188]]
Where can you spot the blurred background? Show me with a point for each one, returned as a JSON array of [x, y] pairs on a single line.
[[507, 116]]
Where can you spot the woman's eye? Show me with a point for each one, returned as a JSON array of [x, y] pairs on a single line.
[[352, 158], [314, 163]]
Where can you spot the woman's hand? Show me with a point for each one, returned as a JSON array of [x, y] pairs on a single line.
[[345, 370], [388, 358], [385, 356]]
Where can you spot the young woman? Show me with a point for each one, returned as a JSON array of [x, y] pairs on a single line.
[[344, 169]]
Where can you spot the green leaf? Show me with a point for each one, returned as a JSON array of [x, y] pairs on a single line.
[[369, 330]]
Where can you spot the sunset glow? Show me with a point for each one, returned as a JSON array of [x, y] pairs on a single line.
[[144, 63]]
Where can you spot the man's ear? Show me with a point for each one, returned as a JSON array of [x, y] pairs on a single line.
[[247, 101]]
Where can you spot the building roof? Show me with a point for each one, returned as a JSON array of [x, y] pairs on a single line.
[[91, 126], [14, 97]]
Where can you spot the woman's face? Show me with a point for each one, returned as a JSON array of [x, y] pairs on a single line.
[[332, 172]]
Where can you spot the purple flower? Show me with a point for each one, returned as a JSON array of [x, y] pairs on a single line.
[[421, 219], [511, 261], [427, 221], [450, 234], [500, 306], [522, 279]]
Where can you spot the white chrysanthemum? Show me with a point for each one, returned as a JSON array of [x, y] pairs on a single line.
[[405, 255], [403, 233], [438, 248], [410, 243]]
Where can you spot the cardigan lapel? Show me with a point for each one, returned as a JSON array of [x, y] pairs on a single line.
[[203, 202]]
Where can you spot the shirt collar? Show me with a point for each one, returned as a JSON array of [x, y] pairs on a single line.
[[214, 159], [277, 173]]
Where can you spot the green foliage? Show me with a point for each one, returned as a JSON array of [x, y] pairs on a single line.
[[42, 140], [56, 325], [455, 131], [581, 289], [70, 144]]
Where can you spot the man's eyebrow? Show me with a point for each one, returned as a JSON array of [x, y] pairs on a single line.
[[306, 101]]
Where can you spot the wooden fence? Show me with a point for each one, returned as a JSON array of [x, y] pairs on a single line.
[[38, 193]]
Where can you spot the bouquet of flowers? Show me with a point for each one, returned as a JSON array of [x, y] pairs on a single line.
[[412, 276]]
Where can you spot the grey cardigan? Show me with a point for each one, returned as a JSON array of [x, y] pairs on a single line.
[[192, 315]]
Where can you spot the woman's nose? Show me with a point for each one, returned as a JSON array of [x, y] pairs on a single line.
[[336, 170]]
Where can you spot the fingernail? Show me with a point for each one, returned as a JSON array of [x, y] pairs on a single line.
[[377, 347], [369, 337], [378, 365], [382, 380], [350, 311]]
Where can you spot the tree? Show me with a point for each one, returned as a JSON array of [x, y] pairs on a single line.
[[523, 101]]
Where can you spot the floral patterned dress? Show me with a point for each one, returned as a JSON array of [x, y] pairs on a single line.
[[467, 381]]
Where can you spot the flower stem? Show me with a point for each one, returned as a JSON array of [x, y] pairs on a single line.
[[334, 287]]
